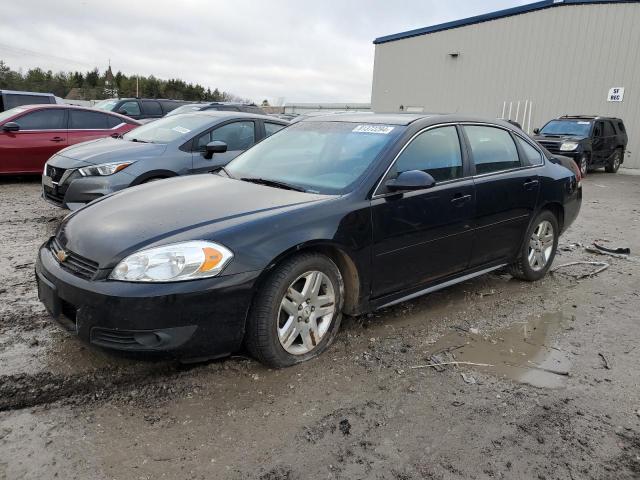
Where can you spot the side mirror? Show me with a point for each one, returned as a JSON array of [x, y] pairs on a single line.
[[122, 111], [536, 131], [410, 180], [11, 127], [214, 147]]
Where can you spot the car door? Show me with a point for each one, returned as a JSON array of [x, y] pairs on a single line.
[[42, 133], [598, 144], [152, 109], [506, 193], [238, 135], [421, 236], [85, 125], [610, 141]]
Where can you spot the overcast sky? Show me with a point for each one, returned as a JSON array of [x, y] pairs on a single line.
[[292, 50]]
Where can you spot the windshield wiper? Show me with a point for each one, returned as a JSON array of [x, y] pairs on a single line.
[[139, 141], [273, 183]]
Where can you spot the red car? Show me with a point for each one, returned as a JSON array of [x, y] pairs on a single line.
[[30, 134]]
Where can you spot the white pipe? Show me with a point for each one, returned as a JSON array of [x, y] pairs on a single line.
[[518, 111], [510, 105], [529, 126], [524, 113], [504, 107]]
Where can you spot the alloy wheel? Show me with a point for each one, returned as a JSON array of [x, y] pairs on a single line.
[[584, 166], [541, 245], [306, 312], [616, 161]]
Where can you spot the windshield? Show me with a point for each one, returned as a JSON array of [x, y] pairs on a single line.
[[9, 113], [184, 109], [577, 128], [322, 157], [168, 129], [106, 105]]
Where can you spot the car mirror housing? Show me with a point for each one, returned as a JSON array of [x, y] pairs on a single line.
[[410, 180], [536, 131], [214, 147], [11, 127]]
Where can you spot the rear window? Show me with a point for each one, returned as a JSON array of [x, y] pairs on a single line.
[[152, 108], [170, 106], [12, 100], [621, 127]]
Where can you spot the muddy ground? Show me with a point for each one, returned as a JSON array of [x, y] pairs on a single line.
[[560, 401]]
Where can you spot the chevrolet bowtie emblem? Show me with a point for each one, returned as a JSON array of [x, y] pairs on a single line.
[[62, 255]]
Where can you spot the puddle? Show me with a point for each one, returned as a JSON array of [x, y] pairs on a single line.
[[524, 351]]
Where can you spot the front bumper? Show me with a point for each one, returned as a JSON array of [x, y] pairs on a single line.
[[199, 318], [76, 191]]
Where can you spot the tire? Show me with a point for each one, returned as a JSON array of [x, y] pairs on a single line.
[[282, 328], [535, 258], [583, 165], [614, 162]]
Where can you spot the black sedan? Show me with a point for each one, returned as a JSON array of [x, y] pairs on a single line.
[[335, 215]]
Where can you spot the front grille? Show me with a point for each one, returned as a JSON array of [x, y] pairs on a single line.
[[53, 195], [74, 263], [553, 147], [55, 173]]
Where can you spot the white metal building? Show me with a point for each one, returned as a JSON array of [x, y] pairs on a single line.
[[529, 63]]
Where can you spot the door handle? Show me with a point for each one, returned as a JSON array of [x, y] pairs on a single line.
[[57, 139], [459, 199], [530, 183]]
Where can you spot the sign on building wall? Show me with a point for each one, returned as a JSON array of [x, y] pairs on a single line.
[[616, 94]]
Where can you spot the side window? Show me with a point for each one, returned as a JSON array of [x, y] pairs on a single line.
[[115, 121], [152, 108], [130, 108], [271, 128], [492, 148], [436, 152], [237, 135], [531, 155], [621, 127], [51, 119], [12, 100], [598, 129], [86, 120], [608, 129], [170, 106]]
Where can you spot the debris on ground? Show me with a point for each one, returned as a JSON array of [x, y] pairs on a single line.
[[470, 379], [619, 250], [345, 426], [605, 362], [436, 365], [602, 266]]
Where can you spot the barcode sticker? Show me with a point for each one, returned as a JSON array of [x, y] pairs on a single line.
[[381, 129]]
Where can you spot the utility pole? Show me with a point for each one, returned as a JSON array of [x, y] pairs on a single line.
[[137, 93]]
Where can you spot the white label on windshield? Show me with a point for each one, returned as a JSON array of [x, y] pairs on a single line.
[[583, 123], [382, 129], [181, 129]]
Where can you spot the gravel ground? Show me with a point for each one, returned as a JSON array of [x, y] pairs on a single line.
[[560, 401]]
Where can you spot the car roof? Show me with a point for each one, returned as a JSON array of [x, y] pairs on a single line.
[[20, 92], [585, 117], [224, 114], [405, 119]]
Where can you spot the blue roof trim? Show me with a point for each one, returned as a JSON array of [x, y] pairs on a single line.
[[531, 7]]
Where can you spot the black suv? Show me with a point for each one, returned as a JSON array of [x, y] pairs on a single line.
[[220, 106], [10, 99], [592, 142], [140, 108]]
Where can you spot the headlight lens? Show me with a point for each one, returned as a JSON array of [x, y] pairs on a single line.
[[103, 169], [173, 263], [568, 146]]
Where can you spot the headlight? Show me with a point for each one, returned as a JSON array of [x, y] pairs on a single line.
[[103, 169], [568, 146], [173, 263]]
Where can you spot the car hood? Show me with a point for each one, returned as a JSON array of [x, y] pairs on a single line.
[[105, 150], [173, 210], [558, 138]]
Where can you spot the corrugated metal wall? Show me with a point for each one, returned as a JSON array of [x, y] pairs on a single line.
[[563, 59]]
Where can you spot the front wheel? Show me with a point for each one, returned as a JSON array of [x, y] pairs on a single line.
[[539, 248], [614, 162], [297, 312], [583, 165]]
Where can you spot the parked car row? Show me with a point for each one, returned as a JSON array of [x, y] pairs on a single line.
[[333, 215]]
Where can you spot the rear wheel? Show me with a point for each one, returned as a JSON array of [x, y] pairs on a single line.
[[297, 312], [614, 162], [539, 249]]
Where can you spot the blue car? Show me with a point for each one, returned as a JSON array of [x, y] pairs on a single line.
[[196, 142]]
